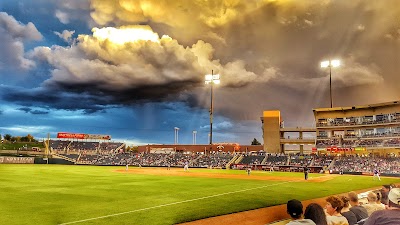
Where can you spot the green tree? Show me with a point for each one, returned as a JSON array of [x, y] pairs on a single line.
[[134, 149], [24, 139], [255, 142], [16, 139], [30, 138], [8, 137]]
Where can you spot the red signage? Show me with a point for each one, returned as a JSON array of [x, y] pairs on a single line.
[[71, 135], [83, 136]]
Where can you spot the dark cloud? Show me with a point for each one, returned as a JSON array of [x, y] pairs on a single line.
[[25, 109], [32, 111], [48, 99], [39, 112]]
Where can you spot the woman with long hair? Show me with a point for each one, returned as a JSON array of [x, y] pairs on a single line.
[[333, 207], [315, 213]]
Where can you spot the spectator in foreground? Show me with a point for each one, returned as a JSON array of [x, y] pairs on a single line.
[[350, 216], [360, 212], [316, 213], [372, 206], [295, 210], [378, 198], [385, 191], [389, 216], [333, 207]]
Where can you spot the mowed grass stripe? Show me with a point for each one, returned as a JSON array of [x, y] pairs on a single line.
[[56, 194], [175, 203]]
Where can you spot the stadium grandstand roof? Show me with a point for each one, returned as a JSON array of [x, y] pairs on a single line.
[[377, 105]]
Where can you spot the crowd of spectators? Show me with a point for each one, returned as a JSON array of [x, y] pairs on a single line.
[[300, 160], [276, 160], [388, 165], [59, 145], [85, 147], [321, 143], [348, 210], [323, 160], [252, 159], [110, 146], [379, 119], [215, 160], [112, 154], [325, 143]]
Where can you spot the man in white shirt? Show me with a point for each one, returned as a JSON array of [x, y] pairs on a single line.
[[372, 206], [389, 216]]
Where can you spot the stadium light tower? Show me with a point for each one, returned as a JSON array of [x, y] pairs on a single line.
[[194, 137], [176, 129], [330, 64], [211, 79]]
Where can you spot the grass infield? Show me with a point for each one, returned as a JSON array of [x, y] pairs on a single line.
[[58, 194]]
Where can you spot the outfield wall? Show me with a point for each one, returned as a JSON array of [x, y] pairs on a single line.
[[16, 160], [52, 161]]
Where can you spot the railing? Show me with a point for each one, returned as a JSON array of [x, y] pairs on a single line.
[[339, 124]]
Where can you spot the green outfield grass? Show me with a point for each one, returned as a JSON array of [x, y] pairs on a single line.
[[57, 194]]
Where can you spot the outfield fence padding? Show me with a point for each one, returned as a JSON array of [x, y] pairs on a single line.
[[16, 160]]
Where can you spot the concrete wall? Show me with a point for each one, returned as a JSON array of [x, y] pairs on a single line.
[[271, 131]]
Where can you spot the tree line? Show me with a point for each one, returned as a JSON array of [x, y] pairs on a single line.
[[10, 138]]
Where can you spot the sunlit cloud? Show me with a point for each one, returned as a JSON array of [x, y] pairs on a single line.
[[125, 35]]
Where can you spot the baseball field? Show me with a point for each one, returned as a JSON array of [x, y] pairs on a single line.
[[59, 194]]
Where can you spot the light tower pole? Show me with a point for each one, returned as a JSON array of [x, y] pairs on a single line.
[[330, 64], [176, 129], [211, 79], [194, 137]]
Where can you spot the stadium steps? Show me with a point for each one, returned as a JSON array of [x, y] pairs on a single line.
[[64, 157], [117, 150], [228, 165], [79, 158], [264, 160], [331, 165], [312, 162], [193, 160], [238, 160]]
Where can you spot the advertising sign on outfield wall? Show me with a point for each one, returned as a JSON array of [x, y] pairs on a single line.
[[83, 136], [16, 160]]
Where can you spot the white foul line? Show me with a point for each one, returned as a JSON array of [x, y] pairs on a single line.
[[173, 203]]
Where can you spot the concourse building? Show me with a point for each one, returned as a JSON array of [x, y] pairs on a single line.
[[368, 129], [277, 138]]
